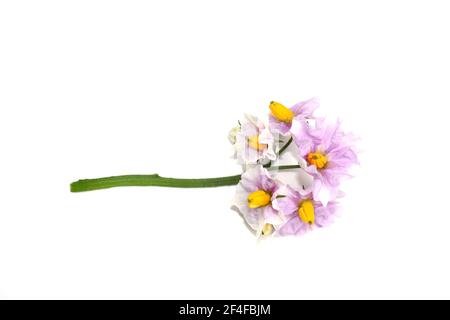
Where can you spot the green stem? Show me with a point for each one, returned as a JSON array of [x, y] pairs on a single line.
[[286, 167], [156, 180], [283, 148], [151, 180]]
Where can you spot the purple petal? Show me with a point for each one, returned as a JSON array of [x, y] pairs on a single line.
[[306, 108], [266, 182], [271, 215], [324, 215], [278, 126], [328, 135], [288, 205], [291, 227]]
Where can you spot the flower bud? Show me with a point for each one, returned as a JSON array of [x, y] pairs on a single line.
[[233, 133], [267, 230]]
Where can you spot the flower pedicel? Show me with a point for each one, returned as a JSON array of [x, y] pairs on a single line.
[[267, 201]]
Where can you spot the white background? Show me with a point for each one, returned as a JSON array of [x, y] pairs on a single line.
[[99, 88]]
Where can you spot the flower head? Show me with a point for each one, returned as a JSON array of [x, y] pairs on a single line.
[[253, 142], [255, 194], [281, 118], [329, 154], [302, 213]]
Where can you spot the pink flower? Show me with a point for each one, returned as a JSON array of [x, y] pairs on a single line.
[[329, 154], [254, 196], [302, 213]]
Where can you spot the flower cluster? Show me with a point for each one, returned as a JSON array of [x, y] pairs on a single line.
[[271, 204]]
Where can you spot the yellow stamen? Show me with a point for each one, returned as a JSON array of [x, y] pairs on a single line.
[[253, 142], [318, 159], [306, 211], [258, 199], [267, 229], [280, 112]]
